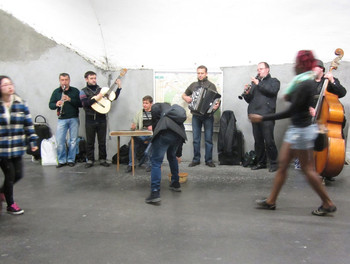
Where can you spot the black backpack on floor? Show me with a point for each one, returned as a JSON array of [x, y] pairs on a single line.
[[81, 151], [43, 131]]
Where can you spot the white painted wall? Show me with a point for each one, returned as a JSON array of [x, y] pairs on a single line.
[[181, 34]]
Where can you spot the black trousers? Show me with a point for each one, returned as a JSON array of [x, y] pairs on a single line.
[[265, 146], [93, 128], [13, 172]]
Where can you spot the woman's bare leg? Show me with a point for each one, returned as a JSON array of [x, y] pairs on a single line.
[[307, 163], [284, 158]]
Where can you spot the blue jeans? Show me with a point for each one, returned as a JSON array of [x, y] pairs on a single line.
[[197, 123], [166, 142], [70, 125]]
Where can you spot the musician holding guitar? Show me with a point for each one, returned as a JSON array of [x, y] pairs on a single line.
[[96, 103], [65, 100]]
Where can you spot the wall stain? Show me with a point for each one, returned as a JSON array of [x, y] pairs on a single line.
[[28, 44]]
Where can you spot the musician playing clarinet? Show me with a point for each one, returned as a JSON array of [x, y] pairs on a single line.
[[261, 98], [65, 100], [206, 120]]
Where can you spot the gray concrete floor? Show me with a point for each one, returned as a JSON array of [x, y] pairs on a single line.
[[96, 215]]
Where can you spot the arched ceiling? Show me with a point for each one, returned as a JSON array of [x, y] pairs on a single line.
[[180, 34]]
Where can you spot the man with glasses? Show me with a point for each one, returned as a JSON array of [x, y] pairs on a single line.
[[261, 98]]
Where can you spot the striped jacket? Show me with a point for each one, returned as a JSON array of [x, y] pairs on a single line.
[[15, 136]]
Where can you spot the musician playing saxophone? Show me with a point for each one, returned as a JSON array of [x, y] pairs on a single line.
[[198, 121], [261, 98], [65, 100]]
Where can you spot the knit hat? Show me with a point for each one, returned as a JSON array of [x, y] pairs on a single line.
[[319, 63]]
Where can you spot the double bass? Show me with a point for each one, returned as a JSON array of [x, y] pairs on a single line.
[[330, 116]]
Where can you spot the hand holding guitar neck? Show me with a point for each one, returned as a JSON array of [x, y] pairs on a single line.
[[107, 95]]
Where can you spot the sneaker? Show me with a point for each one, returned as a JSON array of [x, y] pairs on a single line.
[[175, 186], [128, 169], [262, 204], [14, 209], [321, 211], [154, 197], [71, 164]]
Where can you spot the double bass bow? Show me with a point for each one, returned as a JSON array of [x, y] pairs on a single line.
[[330, 116]]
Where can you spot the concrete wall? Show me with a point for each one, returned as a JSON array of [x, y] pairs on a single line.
[[34, 63]]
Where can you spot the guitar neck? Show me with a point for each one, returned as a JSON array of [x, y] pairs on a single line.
[[112, 87]]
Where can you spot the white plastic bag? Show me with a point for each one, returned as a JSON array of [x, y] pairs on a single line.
[[49, 151]]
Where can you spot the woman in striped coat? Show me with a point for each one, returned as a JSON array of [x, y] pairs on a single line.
[[16, 131]]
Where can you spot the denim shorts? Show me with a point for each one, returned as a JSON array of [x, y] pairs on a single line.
[[301, 137]]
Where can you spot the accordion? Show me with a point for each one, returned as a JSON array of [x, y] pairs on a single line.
[[203, 101]]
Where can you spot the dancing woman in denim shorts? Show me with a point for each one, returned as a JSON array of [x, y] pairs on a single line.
[[299, 138]]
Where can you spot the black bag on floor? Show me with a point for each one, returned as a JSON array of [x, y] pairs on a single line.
[[81, 152], [249, 159], [123, 155], [43, 131]]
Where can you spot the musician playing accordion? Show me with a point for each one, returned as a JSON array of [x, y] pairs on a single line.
[[202, 118]]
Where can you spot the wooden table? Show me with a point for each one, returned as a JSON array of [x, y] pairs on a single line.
[[132, 134]]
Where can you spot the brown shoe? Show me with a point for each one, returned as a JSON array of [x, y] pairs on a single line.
[[193, 163], [210, 164]]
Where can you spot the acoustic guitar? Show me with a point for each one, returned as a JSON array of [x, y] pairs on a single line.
[[104, 104]]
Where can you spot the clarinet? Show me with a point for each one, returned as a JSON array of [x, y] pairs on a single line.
[[249, 86], [60, 113]]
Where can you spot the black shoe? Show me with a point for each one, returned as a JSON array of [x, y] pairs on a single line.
[[210, 164], [89, 164], [175, 186], [105, 164], [61, 165], [262, 204], [128, 169], [148, 169], [71, 164], [154, 197], [193, 163], [273, 168], [258, 167], [321, 211]]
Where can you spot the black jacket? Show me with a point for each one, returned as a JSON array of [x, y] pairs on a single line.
[[227, 133], [262, 97], [334, 88], [166, 117]]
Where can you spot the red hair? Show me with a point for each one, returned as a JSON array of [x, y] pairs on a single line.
[[304, 61]]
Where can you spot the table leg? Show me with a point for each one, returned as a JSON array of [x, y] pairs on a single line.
[[132, 156]]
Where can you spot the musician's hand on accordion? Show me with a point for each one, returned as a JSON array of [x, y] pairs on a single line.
[[216, 105], [187, 98]]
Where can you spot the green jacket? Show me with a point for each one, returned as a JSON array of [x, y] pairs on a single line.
[[70, 109]]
